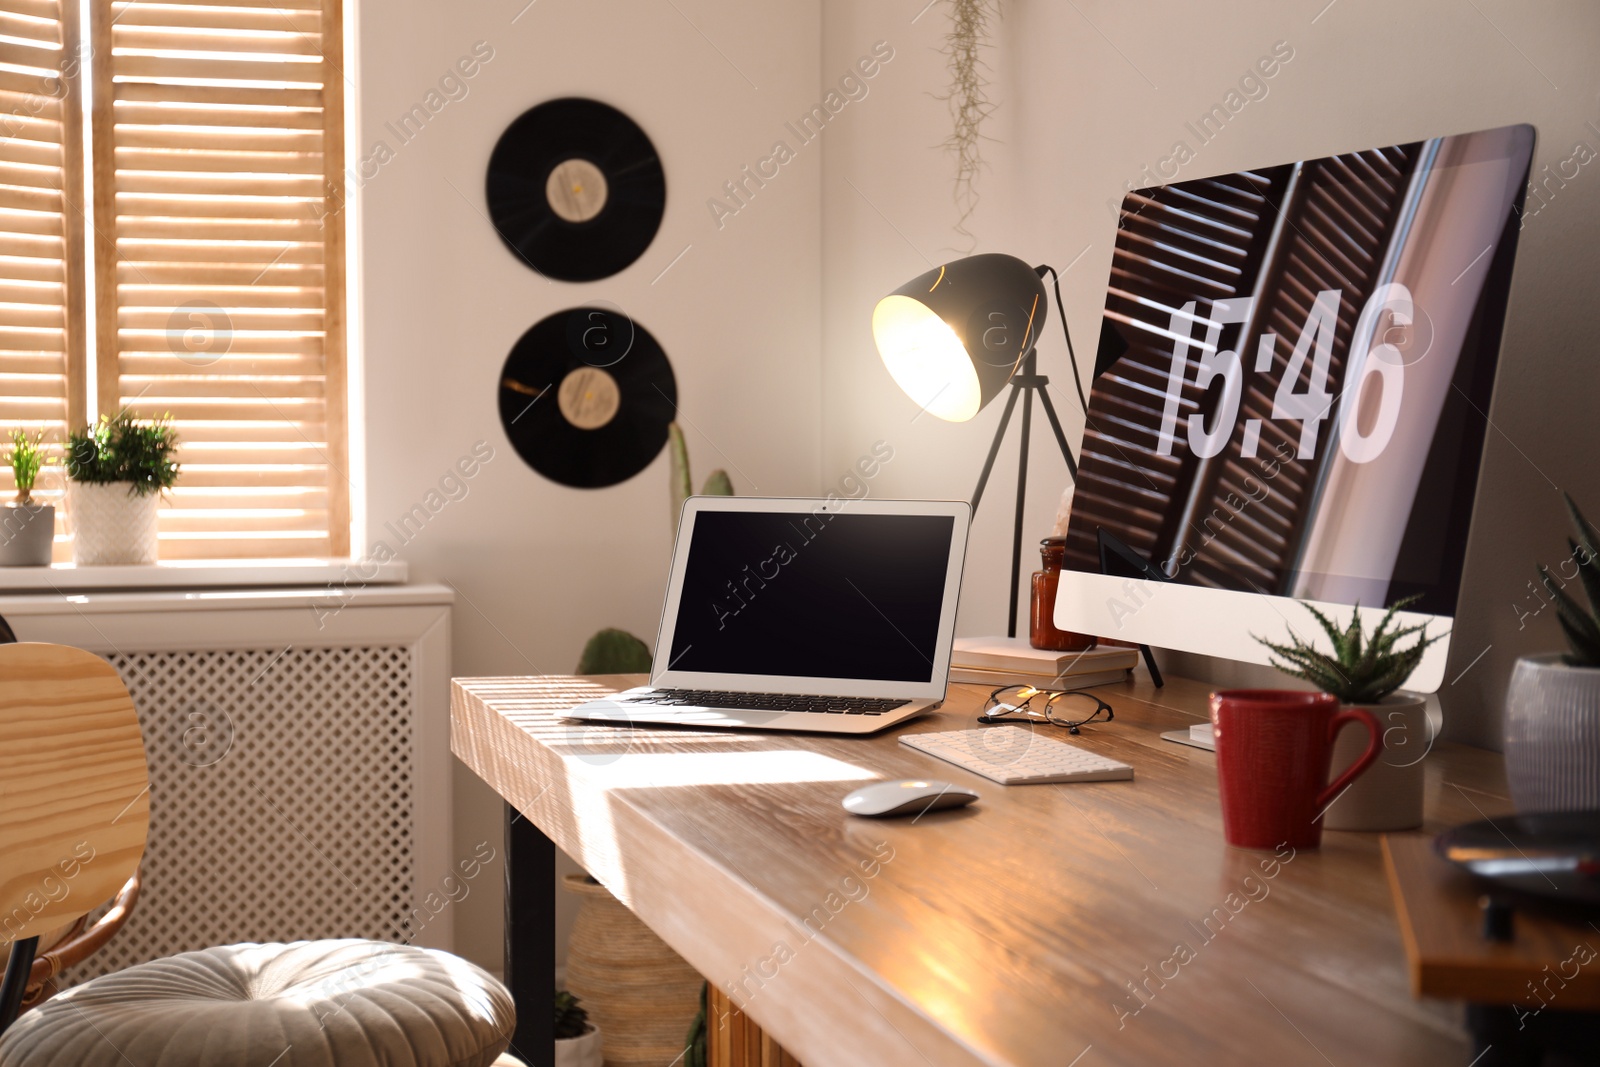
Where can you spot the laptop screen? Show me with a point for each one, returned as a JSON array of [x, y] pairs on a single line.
[[831, 595]]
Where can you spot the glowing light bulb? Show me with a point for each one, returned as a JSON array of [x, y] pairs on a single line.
[[926, 358]]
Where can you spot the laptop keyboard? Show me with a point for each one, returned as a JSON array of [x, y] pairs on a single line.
[[704, 698]]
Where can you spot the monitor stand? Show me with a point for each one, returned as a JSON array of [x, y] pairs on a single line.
[[1111, 547]]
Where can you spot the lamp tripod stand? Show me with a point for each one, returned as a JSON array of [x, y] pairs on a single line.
[[972, 324], [1024, 384]]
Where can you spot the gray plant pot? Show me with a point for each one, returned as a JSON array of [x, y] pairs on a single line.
[[1552, 735], [27, 534]]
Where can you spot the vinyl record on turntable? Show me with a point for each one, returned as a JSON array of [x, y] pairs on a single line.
[[576, 189], [586, 397], [1551, 855]]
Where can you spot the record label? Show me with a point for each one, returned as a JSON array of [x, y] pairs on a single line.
[[575, 189], [589, 398], [586, 397]]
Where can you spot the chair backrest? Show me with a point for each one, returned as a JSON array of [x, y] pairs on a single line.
[[74, 787]]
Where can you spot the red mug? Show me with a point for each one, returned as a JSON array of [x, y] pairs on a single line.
[[1273, 749]]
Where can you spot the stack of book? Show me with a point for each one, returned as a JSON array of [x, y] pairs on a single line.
[[997, 661]]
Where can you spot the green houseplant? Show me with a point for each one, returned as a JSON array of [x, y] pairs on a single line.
[[717, 482], [613, 651], [1367, 672], [1552, 710], [116, 471], [577, 1039], [28, 528]]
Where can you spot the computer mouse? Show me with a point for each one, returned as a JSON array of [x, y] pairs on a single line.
[[907, 796]]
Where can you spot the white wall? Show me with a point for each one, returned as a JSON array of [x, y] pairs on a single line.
[[538, 566], [1090, 93]]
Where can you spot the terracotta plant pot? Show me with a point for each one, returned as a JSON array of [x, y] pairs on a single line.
[[1552, 735], [111, 524], [27, 535], [1389, 795], [640, 993]]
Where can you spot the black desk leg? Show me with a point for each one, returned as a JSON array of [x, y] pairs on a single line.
[[531, 938], [1512, 1037]]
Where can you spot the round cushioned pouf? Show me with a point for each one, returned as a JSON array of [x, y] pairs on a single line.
[[309, 1004]]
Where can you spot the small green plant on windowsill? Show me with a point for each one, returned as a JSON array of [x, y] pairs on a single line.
[[26, 460], [120, 448], [1361, 670], [117, 470], [27, 526]]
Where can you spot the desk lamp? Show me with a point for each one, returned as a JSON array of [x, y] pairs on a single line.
[[954, 337]]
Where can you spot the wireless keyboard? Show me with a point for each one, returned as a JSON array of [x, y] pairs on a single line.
[[1018, 755]]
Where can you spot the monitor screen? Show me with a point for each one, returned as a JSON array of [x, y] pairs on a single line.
[[1293, 380], [840, 595]]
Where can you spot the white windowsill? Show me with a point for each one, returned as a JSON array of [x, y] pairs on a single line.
[[202, 574]]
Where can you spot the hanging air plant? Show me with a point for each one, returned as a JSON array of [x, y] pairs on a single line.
[[969, 101]]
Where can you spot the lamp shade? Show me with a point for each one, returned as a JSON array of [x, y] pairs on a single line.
[[953, 337]]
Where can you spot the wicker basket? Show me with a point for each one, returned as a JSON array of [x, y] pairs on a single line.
[[640, 993]]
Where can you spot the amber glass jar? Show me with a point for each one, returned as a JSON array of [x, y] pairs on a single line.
[[1042, 632]]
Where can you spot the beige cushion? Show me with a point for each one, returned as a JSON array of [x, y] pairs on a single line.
[[309, 1004]]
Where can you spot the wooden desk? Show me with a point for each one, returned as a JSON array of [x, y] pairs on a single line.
[[1092, 924]]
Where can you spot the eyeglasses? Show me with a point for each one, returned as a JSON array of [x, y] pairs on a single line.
[[1015, 703]]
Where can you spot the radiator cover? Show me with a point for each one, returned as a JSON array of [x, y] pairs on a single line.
[[298, 763]]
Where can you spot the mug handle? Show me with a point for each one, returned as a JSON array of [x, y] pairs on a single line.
[[1365, 760]]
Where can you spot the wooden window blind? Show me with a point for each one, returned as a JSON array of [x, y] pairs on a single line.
[[217, 168], [42, 335]]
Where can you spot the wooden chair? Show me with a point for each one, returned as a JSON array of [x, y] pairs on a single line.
[[74, 806], [60, 950], [74, 815], [73, 943]]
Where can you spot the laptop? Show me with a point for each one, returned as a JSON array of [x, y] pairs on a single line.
[[823, 616]]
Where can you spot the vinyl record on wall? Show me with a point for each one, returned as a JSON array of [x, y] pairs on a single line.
[[586, 396], [576, 189]]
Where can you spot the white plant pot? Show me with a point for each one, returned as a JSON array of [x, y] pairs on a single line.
[[1552, 735], [580, 1051], [1389, 795], [111, 524], [27, 535]]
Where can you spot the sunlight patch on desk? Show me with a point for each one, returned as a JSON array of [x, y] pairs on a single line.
[[657, 770]]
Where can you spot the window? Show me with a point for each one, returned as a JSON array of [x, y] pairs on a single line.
[[214, 183]]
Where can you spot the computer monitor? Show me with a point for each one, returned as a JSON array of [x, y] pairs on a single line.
[[1291, 396]]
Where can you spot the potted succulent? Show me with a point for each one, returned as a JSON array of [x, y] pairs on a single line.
[[1552, 721], [1368, 673], [28, 530], [577, 1039], [116, 471]]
